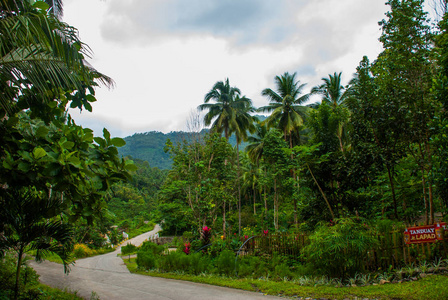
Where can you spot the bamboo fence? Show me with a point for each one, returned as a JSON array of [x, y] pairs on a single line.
[[392, 251]]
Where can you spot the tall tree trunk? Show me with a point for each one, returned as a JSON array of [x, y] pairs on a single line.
[[255, 210], [392, 186], [224, 219], [321, 191], [275, 205], [431, 204], [19, 264], [239, 188]]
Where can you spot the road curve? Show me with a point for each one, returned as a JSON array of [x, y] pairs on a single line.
[[107, 276]]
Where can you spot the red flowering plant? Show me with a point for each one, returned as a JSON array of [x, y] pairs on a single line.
[[187, 248], [265, 232], [206, 235]]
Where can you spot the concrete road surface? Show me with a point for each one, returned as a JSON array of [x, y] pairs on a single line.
[[107, 276]]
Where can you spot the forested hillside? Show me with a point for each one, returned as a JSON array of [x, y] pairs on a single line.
[[150, 146]]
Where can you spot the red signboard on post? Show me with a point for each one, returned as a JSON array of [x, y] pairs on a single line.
[[424, 234]]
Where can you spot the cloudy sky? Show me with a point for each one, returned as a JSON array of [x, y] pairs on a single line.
[[165, 55]]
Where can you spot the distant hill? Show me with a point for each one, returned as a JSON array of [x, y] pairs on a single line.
[[149, 146]]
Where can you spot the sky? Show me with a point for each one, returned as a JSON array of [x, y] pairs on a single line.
[[165, 55]]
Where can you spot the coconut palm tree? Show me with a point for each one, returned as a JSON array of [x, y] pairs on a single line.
[[40, 52], [223, 112], [56, 7], [334, 94], [231, 114], [255, 147], [331, 90], [287, 112], [243, 124], [251, 175]]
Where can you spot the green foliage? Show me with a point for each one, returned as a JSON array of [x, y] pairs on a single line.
[[225, 263], [252, 267], [30, 288], [147, 255], [128, 249], [149, 146], [174, 261], [339, 250], [151, 248]]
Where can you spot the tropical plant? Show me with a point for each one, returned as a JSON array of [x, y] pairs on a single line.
[[287, 112], [334, 94], [331, 90], [41, 59], [228, 104], [28, 222], [338, 250]]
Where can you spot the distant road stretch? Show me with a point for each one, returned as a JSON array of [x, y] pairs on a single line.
[[107, 277]]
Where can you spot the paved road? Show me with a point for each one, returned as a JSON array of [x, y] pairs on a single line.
[[107, 276]]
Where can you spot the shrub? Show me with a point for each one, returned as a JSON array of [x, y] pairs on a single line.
[[147, 255], [225, 263], [252, 266], [339, 250], [152, 248], [282, 271], [173, 261], [146, 260], [198, 263], [82, 250], [128, 249]]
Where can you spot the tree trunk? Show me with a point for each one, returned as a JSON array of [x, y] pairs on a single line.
[[392, 186], [19, 264], [224, 219], [255, 210], [425, 200], [322, 192], [275, 205], [239, 188]]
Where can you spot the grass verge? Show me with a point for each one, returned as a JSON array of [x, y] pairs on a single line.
[[434, 287]]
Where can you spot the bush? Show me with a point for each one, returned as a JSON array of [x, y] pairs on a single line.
[[146, 260], [147, 255], [152, 248], [199, 263], [128, 249], [82, 250], [339, 250], [225, 262], [252, 266], [174, 261]]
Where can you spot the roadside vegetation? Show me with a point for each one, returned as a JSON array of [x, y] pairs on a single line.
[[319, 195], [429, 287]]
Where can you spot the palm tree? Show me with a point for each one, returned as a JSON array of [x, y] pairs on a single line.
[[28, 223], [224, 111], [231, 114], [335, 95], [56, 7], [287, 112], [251, 175], [331, 90], [255, 147], [243, 123], [41, 52]]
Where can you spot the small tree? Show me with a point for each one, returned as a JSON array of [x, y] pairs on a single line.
[[29, 222], [128, 249], [339, 248]]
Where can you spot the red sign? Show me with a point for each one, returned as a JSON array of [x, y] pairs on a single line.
[[424, 234]]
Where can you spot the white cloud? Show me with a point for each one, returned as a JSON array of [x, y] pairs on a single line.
[[166, 54]]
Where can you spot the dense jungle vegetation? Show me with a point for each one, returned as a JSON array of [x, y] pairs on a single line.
[[372, 153]]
